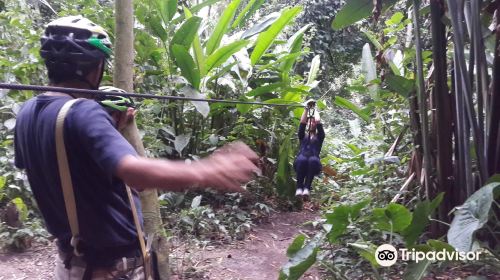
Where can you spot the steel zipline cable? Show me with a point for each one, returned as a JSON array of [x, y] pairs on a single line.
[[135, 95]]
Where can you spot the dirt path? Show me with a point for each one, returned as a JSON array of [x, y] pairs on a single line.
[[36, 263], [258, 257]]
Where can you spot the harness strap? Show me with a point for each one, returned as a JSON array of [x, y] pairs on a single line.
[[65, 176], [145, 257]]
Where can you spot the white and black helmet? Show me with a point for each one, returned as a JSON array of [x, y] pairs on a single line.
[[72, 47]]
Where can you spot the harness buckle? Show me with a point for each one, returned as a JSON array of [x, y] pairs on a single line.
[[75, 241]]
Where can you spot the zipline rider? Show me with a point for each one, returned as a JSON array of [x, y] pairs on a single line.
[[307, 163], [100, 160]]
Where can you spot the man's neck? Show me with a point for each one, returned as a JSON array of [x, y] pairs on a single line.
[[71, 84]]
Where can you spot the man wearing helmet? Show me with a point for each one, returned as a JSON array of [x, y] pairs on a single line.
[[100, 160]]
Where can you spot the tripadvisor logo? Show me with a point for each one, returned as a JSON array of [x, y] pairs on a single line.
[[387, 255]]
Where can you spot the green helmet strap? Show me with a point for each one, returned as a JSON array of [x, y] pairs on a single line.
[[96, 42]]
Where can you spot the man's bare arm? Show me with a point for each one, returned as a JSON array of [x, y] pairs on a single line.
[[225, 170]]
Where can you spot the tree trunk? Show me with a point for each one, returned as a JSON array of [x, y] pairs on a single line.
[[123, 78], [494, 112], [444, 120], [422, 100]]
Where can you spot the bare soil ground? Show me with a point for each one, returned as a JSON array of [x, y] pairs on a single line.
[[259, 256]]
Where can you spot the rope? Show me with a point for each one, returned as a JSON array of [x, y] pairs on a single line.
[[136, 95]]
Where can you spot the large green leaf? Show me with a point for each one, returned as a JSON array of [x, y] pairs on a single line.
[[313, 71], [366, 250], [197, 8], [222, 27], [222, 54], [155, 23], [186, 63], [471, 216], [421, 214], [251, 7], [197, 49], [194, 9], [292, 56], [354, 11], [244, 108], [285, 185], [301, 261], [294, 46], [265, 39], [296, 245], [167, 9], [372, 37], [185, 35], [400, 85], [395, 217], [260, 26], [344, 103], [341, 217], [265, 89]]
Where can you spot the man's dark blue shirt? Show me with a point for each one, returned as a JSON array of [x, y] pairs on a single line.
[[94, 148]]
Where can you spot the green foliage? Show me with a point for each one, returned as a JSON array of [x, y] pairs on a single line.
[[222, 26], [344, 103], [251, 7], [211, 216], [296, 245], [185, 35], [341, 217], [266, 38], [401, 85], [367, 251], [285, 185], [301, 258], [354, 11], [472, 216], [393, 218], [361, 227], [423, 210], [167, 9], [221, 55], [186, 63]]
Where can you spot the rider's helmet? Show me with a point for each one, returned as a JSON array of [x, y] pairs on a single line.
[[114, 102]]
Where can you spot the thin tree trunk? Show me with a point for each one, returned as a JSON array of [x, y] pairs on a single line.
[[422, 99], [123, 78], [481, 70], [456, 14], [444, 120], [494, 112]]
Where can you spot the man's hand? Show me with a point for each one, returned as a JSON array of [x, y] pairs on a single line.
[[125, 118], [228, 167], [225, 170]]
